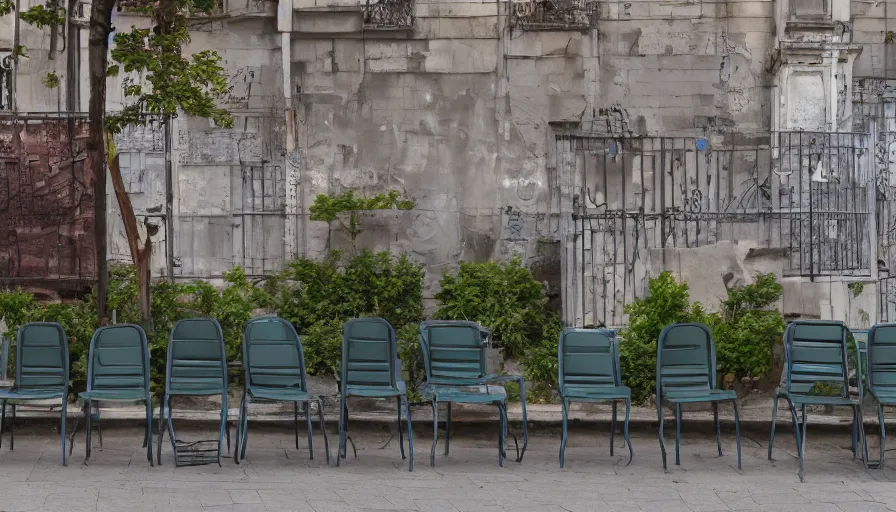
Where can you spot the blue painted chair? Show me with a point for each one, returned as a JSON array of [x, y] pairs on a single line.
[[196, 366], [274, 364], [815, 353], [588, 363], [686, 374], [371, 369], [118, 371], [455, 362], [42, 373], [881, 380]]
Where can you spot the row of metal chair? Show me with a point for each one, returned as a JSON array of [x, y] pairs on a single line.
[[816, 373], [274, 366], [455, 364]]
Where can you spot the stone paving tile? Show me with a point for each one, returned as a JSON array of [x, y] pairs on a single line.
[[275, 476]]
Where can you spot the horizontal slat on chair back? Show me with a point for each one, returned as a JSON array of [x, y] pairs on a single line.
[[685, 358], [882, 356], [816, 355], [196, 358], [274, 359], [119, 359], [369, 353], [42, 354], [456, 353], [588, 358]]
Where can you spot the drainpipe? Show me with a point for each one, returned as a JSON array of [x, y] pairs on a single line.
[[293, 159]]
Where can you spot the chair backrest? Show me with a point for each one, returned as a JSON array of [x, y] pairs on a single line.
[[197, 364], [453, 352], [42, 357], [881, 371], [588, 357], [272, 354], [118, 359], [685, 358], [369, 354], [815, 352]]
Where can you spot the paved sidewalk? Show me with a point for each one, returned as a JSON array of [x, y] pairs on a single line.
[[277, 477]]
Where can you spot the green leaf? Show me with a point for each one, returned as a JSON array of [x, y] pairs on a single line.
[[46, 15], [51, 81]]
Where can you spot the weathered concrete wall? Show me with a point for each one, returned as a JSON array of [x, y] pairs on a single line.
[[460, 112]]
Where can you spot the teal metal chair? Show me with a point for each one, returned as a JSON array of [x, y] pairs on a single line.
[[42, 373], [455, 362], [881, 380], [371, 369], [588, 362], [274, 364], [196, 366], [118, 371], [686, 374], [816, 372]]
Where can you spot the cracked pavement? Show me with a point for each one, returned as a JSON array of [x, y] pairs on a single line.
[[277, 477]]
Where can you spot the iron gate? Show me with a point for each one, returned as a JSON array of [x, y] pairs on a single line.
[[630, 200]]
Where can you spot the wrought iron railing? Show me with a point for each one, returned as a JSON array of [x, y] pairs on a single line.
[[389, 14], [553, 14]]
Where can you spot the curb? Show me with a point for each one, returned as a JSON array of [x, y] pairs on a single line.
[[539, 417]]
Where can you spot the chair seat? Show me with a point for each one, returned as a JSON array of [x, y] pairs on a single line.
[[114, 395], [376, 391], [597, 393], [280, 394], [885, 396], [698, 396], [484, 394], [30, 394], [800, 399]]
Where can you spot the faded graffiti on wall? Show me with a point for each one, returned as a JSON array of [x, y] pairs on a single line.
[[46, 205]]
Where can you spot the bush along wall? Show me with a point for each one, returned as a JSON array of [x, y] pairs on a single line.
[[318, 296], [745, 330]]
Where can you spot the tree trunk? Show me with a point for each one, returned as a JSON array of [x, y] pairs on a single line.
[[140, 255], [100, 27]]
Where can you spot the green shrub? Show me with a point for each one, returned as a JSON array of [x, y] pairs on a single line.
[[504, 297], [745, 330], [318, 296], [666, 302]]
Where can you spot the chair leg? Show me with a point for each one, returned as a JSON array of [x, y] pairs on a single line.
[[736, 431], [407, 413], [89, 444], [295, 409], [855, 432], [771, 435], [522, 452], [613, 428], [2, 421], [628, 411], [502, 411], [715, 417], [238, 441], [306, 406], [340, 448], [12, 429], [161, 430], [883, 434], [400, 432], [448, 429], [323, 429], [62, 430], [99, 428], [802, 445], [244, 426], [224, 432], [677, 433], [659, 415], [148, 435], [563, 432], [435, 432]]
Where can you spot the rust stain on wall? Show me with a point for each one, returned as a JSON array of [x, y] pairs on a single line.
[[46, 206]]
